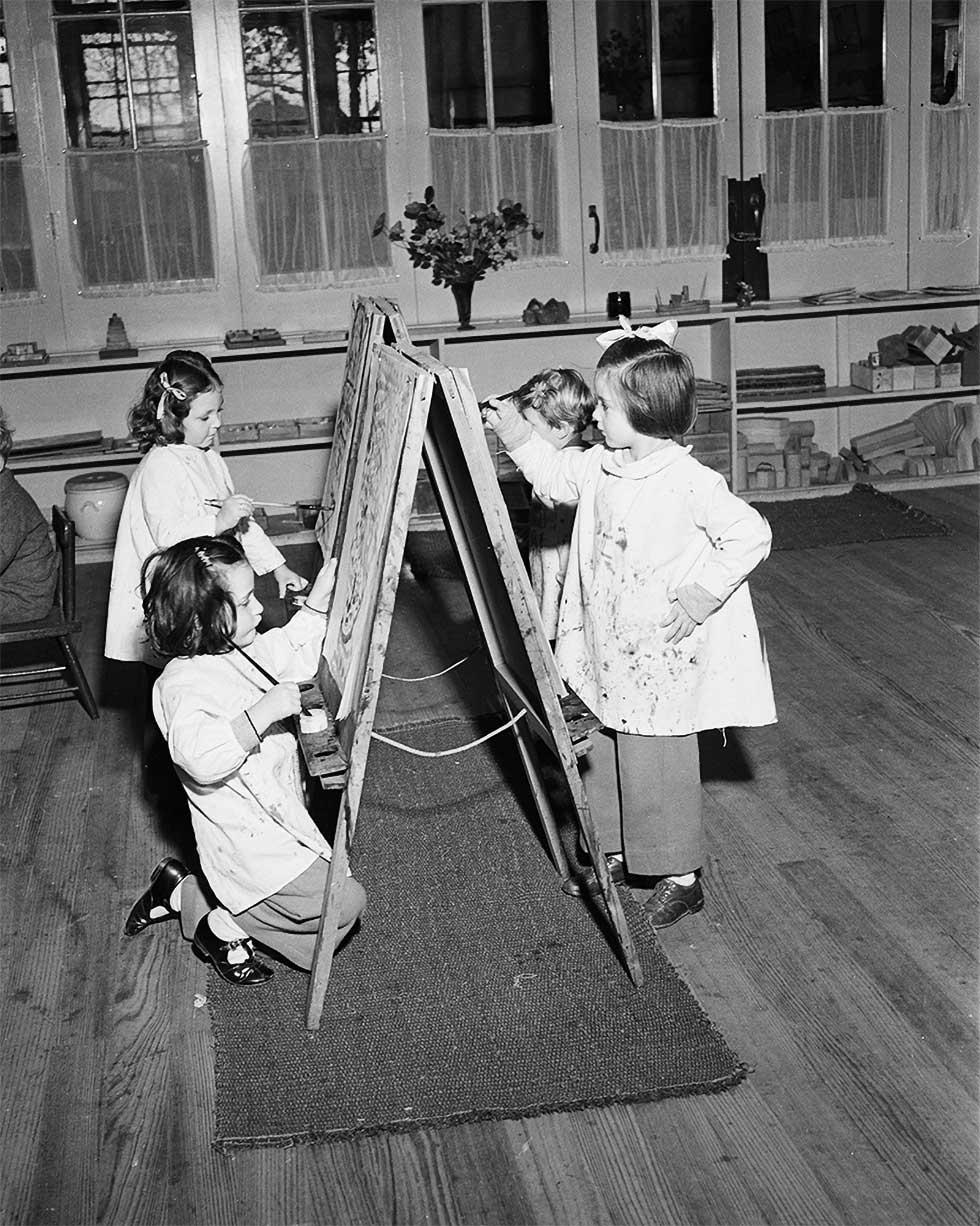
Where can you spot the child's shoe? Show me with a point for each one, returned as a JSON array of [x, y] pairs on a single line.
[[670, 901], [587, 882], [167, 875], [233, 960]]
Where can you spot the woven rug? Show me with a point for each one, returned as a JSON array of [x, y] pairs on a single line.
[[475, 989], [864, 513]]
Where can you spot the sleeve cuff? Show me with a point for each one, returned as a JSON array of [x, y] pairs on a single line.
[[697, 602], [244, 733]]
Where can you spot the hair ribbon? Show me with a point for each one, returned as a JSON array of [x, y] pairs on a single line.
[[172, 389], [665, 332]]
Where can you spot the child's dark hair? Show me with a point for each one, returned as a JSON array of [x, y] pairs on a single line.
[[168, 394], [187, 609], [6, 436], [656, 384], [560, 395]]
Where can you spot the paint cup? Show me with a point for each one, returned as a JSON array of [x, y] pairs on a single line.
[[618, 303]]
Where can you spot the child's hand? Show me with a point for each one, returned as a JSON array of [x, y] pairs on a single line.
[[318, 597], [678, 622], [506, 422], [288, 580], [233, 510], [279, 702]]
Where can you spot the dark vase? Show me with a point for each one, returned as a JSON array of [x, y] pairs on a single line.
[[463, 294]]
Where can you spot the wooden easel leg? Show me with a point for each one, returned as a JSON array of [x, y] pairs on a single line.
[[529, 760], [327, 936]]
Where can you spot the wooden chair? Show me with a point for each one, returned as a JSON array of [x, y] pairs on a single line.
[[60, 625]]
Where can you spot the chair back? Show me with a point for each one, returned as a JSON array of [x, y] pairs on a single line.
[[64, 535]]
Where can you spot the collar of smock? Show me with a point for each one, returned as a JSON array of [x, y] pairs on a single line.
[[619, 465]]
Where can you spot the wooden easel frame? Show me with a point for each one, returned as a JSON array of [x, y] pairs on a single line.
[[438, 423]]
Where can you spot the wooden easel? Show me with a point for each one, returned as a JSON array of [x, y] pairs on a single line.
[[408, 408]]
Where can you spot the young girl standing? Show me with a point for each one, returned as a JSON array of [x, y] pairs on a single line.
[[224, 722], [557, 404], [182, 488], [656, 631]]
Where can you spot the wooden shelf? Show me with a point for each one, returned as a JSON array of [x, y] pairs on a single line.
[[886, 483], [841, 397]]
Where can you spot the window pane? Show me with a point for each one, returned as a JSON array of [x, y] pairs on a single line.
[[164, 81], [945, 52], [521, 63], [16, 252], [8, 119], [274, 46], [792, 55], [625, 50], [686, 59], [92, 57], [79, 8], [855, 75], [345, 59], [454, 65]]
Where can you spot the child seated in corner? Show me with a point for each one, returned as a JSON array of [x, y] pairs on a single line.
[[557, 404], [28, 562]]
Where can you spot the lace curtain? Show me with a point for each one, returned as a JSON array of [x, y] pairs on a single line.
[[16, 251], [473, 169], [313, 204], [143, 218], [950, 171], [826, 177], [664, 191]]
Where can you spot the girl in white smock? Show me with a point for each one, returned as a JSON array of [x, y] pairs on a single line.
[[226, 725], [182, 488], [656, 633]]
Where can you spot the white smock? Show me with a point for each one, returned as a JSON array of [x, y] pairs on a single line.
[[167, 502], [643, 529]]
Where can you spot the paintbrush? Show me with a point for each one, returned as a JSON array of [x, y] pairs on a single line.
[[259, 502]]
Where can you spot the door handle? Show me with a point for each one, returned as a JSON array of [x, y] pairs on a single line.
[[594, 214]]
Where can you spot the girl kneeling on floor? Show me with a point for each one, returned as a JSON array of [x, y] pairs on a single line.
[[226, 726]]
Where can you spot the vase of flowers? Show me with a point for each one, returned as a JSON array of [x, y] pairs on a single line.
[[461, 254]]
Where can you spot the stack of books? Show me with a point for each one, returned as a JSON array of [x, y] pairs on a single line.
[[780, 382]]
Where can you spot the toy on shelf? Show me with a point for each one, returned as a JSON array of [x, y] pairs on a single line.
[[23, 353], [116, 341], [242, 338], [550, 312], [683, 303]]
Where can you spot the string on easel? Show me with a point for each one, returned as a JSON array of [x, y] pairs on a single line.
[[432, 676], [445, 753]]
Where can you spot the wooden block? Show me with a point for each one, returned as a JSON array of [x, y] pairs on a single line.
[[949, 374], [903, 378], [871, 378], [923, 376]]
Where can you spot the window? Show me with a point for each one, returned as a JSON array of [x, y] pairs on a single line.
[[663, 183], [826, 129], [492, 133], [315, 165], [17, 266], [138, 175], [950, 143]]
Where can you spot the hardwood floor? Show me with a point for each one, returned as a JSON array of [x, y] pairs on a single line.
[[837, 953]]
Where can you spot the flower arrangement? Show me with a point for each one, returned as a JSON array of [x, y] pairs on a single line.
[[465, 252]]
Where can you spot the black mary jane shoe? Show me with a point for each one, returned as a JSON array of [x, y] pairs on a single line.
[[587, 882], [167, 875], [247, 974]]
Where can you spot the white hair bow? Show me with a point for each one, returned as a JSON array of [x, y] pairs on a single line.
[[659, 332]]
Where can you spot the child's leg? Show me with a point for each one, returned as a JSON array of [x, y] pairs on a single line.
[[660, 786], [289, 920], [600, 777]]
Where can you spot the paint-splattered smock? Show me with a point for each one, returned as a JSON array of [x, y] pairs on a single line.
[[254, 834], [167, 502], [643, 529]]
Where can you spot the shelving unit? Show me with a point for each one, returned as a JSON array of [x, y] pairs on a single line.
[[501, 354]]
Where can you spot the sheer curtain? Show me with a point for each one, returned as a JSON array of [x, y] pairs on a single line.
[[951, 170], [826, 177], [143, 218], [472, 169], [16, 252], [664, 190], [313, 205]]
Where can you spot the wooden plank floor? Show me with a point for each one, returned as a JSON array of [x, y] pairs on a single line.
[[837, 952]]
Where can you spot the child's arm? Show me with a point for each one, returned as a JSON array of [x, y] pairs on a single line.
[[172, 506], [554, 473], [740, 537]]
